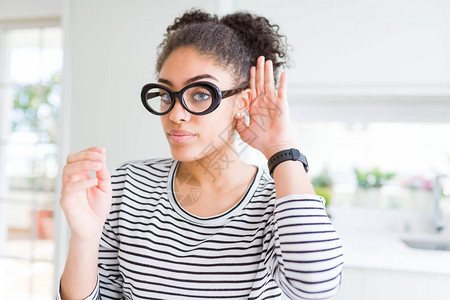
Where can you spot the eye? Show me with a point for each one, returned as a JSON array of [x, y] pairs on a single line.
[[201, 96], [165, 97]]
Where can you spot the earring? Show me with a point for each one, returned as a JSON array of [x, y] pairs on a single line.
[[241, 114]]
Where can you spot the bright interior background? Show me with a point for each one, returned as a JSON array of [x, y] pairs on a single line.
[[31, 61], [369, 88]]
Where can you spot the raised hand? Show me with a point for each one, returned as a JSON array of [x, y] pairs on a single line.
[[86, 201], [269, 130]]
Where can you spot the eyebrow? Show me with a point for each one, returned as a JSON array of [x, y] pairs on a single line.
[[190, 80]]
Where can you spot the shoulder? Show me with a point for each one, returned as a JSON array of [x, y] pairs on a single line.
[[140, 178], [154, 166], [266, 180], [266, 186]]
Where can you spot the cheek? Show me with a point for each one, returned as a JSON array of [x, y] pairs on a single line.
[[219, 124], [164, 120]]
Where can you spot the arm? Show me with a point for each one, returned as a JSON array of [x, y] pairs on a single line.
[[85, 266], [79, 279], [270, 130], [86, 203], [302, 250], [290, 177], [307, 256], [110, 277], [81, 265]]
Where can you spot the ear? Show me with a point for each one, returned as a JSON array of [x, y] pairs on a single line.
[[243, 102]]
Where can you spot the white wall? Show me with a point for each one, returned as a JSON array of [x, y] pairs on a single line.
[[365, 60], [381, 49], [342, 43], [337, 44], [365, 42], [16, 10], [111, 56]]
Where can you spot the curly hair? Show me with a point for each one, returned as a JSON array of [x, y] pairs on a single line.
[[235, 41]]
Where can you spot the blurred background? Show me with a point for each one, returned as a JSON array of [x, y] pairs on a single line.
[[369, 93]]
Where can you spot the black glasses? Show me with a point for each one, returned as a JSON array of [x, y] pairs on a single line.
[[198, 98]]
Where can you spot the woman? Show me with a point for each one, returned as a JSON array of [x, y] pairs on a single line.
[[204, 224]]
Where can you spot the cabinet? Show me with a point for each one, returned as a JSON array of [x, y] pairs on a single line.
[[377, 284]]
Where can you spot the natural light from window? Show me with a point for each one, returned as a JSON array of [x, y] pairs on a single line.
[[31, 93]]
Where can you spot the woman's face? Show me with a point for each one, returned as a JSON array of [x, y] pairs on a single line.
[[192, 137]]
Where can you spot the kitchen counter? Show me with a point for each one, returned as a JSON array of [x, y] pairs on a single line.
[[378, 265], [373, 239], [387, 251]]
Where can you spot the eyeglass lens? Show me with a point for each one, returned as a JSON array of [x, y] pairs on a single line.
[[197, 99]]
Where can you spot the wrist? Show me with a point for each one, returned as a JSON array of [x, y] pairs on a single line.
[[77, 243], [274, 148], [291, 154]]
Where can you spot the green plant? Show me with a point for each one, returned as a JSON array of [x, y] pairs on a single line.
[[323, 185], [36, 108], [373, 178], [322, 180]]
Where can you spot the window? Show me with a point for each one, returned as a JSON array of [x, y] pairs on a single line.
[[30, 95], [378, 164]]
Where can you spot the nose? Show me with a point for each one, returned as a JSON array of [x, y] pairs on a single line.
[[178, 113]]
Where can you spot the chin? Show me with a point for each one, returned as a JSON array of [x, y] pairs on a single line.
[[182, 157], [185, 153]]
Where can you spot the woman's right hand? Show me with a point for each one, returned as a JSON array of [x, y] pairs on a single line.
[[86, 204]]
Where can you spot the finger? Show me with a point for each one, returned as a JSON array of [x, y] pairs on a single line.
[[269, 83], [260, 75], [252, 81], [78, 186], [91, 154], [282, 89], [104, 179], [77, 177], [80, 168]]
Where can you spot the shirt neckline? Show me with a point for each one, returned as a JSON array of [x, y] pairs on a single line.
[[213, 220]]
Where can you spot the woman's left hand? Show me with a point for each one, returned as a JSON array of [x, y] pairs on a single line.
[[269, 129]]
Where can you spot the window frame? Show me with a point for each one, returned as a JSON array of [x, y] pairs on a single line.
[[5, 26]]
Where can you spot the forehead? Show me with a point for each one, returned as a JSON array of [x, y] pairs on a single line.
[[184, 64]]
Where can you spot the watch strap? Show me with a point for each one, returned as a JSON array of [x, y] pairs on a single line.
[[285, 155]]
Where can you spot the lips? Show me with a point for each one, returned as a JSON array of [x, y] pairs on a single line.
[[180, 136]]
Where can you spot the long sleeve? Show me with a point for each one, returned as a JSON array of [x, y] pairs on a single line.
[[93, 296], [110, 278], [302, 249]]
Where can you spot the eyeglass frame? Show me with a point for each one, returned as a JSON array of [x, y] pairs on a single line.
[[217, 96]]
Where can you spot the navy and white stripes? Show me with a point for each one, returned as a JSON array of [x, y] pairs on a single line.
[[151, 248]]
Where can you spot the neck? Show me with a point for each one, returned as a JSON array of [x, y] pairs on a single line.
[[217, 168]]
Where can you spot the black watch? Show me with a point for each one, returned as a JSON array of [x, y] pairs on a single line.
[[290, 154]]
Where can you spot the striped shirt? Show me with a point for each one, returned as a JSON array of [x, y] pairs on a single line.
[[261, 248]]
